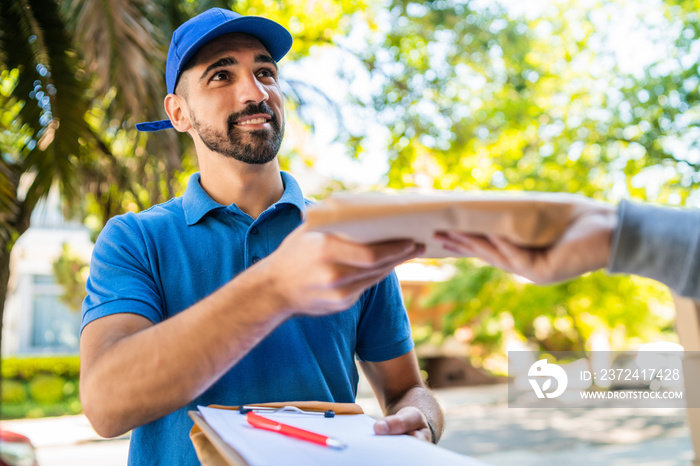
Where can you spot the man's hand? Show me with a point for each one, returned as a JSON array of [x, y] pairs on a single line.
[[584, 247], [316, 274], [407, 404], [409, 420]]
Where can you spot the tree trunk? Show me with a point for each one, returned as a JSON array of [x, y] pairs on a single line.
[[4, 279], [12, 231]]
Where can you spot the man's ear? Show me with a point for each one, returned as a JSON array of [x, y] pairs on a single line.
[[176, 108]]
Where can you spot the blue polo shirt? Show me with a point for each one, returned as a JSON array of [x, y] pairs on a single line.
[[161, 261]]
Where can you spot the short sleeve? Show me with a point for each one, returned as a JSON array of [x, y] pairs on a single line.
[[121, 276], [384, 331]]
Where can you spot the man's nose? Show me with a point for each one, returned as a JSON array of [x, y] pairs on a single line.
[[252, 90]]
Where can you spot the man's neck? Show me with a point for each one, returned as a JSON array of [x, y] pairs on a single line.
[[253, 188]]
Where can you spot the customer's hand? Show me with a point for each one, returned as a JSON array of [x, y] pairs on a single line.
[[583, 247]]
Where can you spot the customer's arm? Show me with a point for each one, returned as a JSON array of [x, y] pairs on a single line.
[[656, 242], [660, 243], [133, 372], [409, 407], [584, 246]]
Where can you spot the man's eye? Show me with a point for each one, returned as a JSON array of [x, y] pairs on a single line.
[[266, 73], [219, 76]]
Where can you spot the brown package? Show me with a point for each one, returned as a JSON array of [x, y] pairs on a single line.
[[531, 219]]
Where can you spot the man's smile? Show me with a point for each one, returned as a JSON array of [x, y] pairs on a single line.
[[258, 119]]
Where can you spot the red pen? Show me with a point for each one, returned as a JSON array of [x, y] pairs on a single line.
[[261, 422]]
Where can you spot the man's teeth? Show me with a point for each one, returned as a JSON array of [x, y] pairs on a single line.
[[253, 121]]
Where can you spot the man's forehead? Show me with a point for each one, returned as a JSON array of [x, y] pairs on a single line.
[[233, 42]]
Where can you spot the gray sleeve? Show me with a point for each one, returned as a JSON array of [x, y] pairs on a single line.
[[660, 243]]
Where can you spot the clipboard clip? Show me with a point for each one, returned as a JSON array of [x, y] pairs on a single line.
[[284, 409]]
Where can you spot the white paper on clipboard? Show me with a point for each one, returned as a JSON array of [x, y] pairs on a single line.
[[263, 448]]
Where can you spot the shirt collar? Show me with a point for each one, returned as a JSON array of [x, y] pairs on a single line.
[[197, 203], [292, 193]]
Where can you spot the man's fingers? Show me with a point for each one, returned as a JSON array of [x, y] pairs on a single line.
[[347, 275], [422, 434], [324, 273], [371, 255], [408, 420], [350, 282], [360, 283], [392, 425]]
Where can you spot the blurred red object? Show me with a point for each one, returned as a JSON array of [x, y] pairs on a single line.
[[16, 450]]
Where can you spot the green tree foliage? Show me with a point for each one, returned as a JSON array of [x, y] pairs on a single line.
[[499, 309], [481, 101], [476, 99]]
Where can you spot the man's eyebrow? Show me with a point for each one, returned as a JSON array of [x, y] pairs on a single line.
[[226, 61], [262, 58]]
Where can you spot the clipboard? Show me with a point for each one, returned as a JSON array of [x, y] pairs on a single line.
[[530, 219], [212, 450], [258, 447]]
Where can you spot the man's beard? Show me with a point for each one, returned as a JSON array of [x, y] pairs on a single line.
[[264, 143]]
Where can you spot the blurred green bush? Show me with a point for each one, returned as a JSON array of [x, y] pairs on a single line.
[[26, 368], [46, 389], [39, 386], [12, 392]]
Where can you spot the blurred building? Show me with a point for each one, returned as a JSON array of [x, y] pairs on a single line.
[[35, 319]]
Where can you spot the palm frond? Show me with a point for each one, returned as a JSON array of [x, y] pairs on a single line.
[[122, 43], [63, 105], [22, 50]]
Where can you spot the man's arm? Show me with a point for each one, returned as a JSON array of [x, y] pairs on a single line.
[[133, 372], [409, 407]]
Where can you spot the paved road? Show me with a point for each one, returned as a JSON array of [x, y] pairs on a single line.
[[479, 424], [491, 431]]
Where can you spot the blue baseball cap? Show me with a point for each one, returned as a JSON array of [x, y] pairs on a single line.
[[194, 33]]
